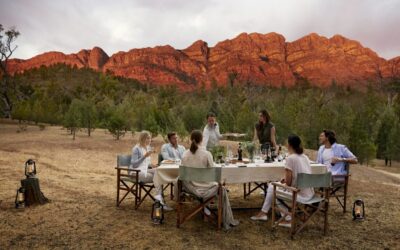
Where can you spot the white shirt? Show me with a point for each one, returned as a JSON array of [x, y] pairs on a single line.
[[211, 136], [144, 166], [327, 156], [299, 164]]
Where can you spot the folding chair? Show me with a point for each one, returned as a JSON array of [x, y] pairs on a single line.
[[340, 187], [171, 185], [302, 212], [198, 175], [128, 180], [247, 189]]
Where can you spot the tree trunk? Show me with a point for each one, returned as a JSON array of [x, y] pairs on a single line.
[[33, 195]]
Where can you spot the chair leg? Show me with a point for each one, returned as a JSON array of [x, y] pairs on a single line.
[[345, 196], [293, 221], [172, 191], [139, 197], [273, 207], [118, 177], [244, 190]]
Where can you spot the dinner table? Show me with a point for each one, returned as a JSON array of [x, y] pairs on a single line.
[[235, 172]]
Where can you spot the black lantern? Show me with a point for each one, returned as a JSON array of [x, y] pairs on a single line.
[[157, 212], [30, 168], [358, 210], [20, 198]]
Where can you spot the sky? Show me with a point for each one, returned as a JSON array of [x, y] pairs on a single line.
[[120, 25]]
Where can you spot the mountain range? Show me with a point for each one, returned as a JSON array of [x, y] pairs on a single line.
[[256, 58]]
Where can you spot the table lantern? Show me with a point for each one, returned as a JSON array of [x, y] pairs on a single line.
[[30, 168], [157, 212], [358, 210], [20, 198]]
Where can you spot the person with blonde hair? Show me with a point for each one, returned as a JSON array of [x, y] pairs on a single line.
[[141, 160]]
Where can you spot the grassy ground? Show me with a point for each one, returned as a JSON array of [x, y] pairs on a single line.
[[79, 177]]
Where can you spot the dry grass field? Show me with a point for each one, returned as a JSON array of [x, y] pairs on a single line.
[[80, 179]]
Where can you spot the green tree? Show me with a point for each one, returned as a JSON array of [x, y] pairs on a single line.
[[7, 89], [88, 115], [116, 124], [73, 117]]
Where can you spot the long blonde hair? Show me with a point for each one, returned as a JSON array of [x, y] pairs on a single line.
[[143, 136]]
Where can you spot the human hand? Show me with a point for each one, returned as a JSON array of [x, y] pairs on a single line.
[[148, 153], [336, 159]]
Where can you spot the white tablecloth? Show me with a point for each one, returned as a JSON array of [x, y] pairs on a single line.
[[253, 172]]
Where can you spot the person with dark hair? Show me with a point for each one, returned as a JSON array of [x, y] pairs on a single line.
[[211, 134], [264, 130], [171, 150], [296, 163], [198, 157], [334, 155]]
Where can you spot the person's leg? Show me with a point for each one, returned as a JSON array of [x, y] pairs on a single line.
[[268, 199], [262, 215]]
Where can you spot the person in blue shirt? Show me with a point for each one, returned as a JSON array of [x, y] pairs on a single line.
[[171, 150], [334, 155]]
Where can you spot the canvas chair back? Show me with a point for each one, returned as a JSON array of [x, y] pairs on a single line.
[[200, 174], [123, 160], [314, 180]]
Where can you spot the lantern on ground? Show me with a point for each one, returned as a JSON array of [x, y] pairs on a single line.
[[30, 168], [157, 212], [20, 198], [358, 210]]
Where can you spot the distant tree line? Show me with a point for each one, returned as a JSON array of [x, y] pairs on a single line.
[[81, 99]]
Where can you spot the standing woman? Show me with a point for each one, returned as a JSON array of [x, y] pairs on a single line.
[[198, 157], [264, 130], [141, 160]]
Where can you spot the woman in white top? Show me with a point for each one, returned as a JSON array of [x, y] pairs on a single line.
[[141, 160], [296, 163], [198, 157]]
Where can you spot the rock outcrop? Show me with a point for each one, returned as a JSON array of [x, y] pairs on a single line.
[[256, 58]]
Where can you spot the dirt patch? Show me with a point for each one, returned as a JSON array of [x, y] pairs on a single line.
[[79, 178]]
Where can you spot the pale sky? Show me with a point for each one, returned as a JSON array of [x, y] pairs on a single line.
[[71, 25]]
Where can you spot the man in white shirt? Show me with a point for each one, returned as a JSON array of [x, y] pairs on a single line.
[[334, 155], [211, 134], [171, 150]]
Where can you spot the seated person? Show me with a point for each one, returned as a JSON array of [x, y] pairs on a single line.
[[296, 163], [334, 155], [198, 157], [171, 150], [141, 153]]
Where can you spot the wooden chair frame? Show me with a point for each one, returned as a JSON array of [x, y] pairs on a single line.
[[129, 182], [183, 197], [339, 187], [301, 213]]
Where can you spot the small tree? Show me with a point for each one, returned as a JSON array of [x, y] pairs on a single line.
[[116, 125], [6, 50], [73, 118], [89, 115]]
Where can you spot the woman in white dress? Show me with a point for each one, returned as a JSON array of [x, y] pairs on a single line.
[[141, 160], [198, 157]]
